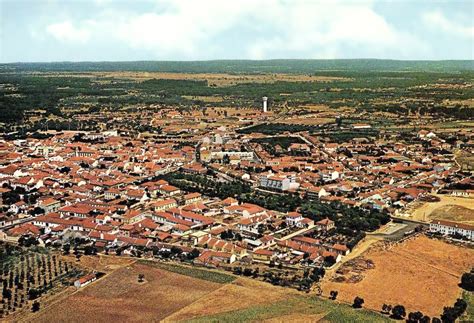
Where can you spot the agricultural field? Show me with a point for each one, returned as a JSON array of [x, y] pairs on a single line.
[[451, 208], [31, 280], [421, 274], [119, 296], [296, 309], [197, 295], [469, 315]]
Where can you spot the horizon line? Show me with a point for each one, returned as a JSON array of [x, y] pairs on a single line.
[[239, 59]]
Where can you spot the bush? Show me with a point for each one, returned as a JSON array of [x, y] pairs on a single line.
[[358, 302], [398, 312], [35, 307], [467, 281]]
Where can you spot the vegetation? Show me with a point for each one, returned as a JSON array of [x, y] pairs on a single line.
[[212, 276], [467, 281], [362, 84], [298, 66], [468, 297], [276, 128], [349, 220], [27, 276], [298, 305]]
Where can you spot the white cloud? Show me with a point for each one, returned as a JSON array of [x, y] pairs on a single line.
[[436, 19], [65, 31], [189, 29]]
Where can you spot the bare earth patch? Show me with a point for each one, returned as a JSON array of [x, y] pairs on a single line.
[[421, 274], [119, 297], [448, 208]]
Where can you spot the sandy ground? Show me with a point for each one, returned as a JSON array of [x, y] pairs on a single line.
[[444, 209], [420, 273]]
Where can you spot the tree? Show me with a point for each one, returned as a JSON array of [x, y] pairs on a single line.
[[425, 319], [176, 250], [450, 314], [386, 308], [90, 250], [141, 277], [415, 316], [333, 294], [193, 254], [35, 307], [66, 249], [435, 320], [358, 302], [467, 281], [247, 272], [460, 306], [329, 261], [398, 312], [33, 293]]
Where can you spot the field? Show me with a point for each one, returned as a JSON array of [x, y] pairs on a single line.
[[179, 293], [420, 273], [120, 297], [469, 315], [460, 209], [296, 309], [241, 294]]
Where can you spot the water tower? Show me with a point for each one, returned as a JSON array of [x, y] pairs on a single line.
[[264, 104]]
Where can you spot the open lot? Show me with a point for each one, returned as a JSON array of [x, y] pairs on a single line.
[[460, 209], [420, 273]]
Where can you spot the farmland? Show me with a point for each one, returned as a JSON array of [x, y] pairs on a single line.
[[421, 274], [297, 308], [120, 297], [32, 279]]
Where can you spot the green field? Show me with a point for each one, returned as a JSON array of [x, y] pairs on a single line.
[[469, 315], [212, 276], [299, 306]]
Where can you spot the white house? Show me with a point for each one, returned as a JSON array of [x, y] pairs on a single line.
[[448, 228]]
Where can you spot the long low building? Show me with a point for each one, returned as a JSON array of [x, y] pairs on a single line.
[[450, 228]]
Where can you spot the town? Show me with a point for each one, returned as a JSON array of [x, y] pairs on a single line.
[[233, 190]]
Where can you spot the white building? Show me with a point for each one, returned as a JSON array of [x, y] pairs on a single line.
[[264, 104], [449, 228], [278, 182], [242, 155]]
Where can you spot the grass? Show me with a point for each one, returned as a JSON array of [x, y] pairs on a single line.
[[212, 276], [469, 314], [298, 305]]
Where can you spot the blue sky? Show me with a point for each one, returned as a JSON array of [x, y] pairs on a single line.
[[108, 30]]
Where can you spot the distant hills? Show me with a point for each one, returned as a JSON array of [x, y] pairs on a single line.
[[296, 66]]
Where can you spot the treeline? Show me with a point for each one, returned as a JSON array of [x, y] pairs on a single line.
[[206, 185], [277, 128], [249, 66]]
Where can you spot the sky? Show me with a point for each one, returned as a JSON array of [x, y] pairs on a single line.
[[130, 30]]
